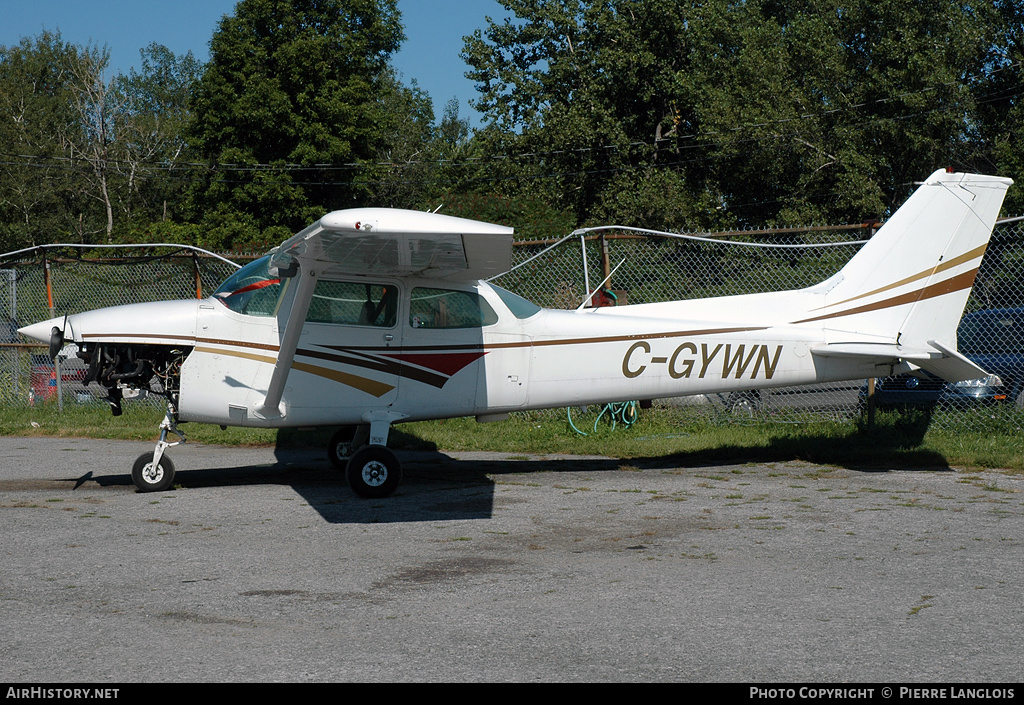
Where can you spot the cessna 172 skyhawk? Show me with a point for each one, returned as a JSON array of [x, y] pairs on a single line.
[[370, 317]]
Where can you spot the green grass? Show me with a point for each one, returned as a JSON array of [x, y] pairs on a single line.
[[689, 436], [896, 440], [139, 422]]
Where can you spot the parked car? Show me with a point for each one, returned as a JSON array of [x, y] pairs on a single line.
[[826, 398], [994, 340], [44, 379]]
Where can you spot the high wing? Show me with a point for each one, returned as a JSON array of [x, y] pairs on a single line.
[[387, 241], [399, 243]]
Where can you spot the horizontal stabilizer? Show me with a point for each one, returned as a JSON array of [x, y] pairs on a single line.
[[952, 366], [941, 360]]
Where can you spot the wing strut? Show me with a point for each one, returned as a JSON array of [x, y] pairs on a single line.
[[271, 405]]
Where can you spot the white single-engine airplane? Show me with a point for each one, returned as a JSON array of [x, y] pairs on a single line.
[[371, 317]]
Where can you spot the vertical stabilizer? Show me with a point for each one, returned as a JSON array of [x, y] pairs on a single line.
[[909, 284]]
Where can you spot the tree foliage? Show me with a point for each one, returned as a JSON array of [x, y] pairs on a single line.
[[699, 114], [39, 188], [674, 114], [1001, 121], [86, 156], [292, 85], [155, 155]]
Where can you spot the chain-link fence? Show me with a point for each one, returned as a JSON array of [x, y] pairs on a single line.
[[64, 281], [646, 269], [629, 268]]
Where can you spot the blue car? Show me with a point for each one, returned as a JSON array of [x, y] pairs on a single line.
[[994, 340]]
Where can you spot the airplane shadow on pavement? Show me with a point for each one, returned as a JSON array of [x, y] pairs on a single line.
[[440, 487]]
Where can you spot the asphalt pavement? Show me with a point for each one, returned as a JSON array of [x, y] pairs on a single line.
[[262, 566]]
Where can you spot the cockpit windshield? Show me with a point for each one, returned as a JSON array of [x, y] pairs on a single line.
[[251, 290]]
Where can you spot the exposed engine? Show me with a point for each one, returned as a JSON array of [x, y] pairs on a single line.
[[120, 367]]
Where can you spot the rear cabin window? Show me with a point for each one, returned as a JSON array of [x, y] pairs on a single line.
[[353, 303], [520, 307], [444, 308]]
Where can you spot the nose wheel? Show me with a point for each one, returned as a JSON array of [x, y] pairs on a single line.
[[152, 477], [373, 472], [154, 472]]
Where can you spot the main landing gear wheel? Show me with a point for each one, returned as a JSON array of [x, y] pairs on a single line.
[[340, 447], [152, 478], [373, 472]]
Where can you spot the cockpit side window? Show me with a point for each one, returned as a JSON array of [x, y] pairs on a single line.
[[354, 303], [251, 290]]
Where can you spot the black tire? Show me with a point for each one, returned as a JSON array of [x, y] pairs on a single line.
[[373, 472], [147, 479], [341, 446]]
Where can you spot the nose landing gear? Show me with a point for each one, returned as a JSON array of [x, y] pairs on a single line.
[[154, 472]]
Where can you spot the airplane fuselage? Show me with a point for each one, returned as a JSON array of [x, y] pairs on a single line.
[[416, 369]]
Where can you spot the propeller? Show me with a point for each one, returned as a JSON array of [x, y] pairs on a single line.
[[56, 342]]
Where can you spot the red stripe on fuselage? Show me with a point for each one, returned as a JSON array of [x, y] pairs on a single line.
[[445, 363]]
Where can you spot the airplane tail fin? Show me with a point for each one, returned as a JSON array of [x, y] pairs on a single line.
[[907, 287]]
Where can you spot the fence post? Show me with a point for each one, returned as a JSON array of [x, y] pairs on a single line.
[[871, 403], [199, 279], [586, 272], [49, 287], [606, 270]]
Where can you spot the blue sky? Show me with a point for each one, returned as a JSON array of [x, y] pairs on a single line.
[[430, 53]]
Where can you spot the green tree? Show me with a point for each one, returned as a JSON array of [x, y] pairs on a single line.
[[153, 153], [99, 106], [400, 174], [543, 90], [40, 190], [454, 152], [701, 114], [1002, 109], [85, 154], [291, 85]]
